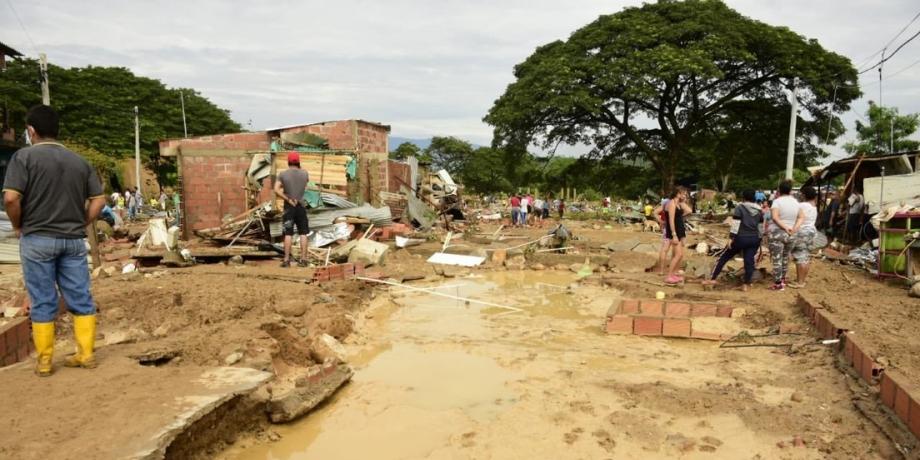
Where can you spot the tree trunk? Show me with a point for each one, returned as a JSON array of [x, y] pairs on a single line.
[[724, 183]]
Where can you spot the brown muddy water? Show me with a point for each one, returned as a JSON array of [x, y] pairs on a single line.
[[445, 379]]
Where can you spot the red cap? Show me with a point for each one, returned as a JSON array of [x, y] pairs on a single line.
[[293, 158]]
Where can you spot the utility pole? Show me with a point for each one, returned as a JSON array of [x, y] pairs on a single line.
[[891, 141], [43, 67], [790, 149], [184, 126], [137, 150], [881, 112]]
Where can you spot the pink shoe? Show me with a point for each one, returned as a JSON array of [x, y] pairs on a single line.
[[673, 279]]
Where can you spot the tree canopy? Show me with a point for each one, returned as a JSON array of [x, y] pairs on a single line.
[[656, 82], [405, 150], [449, 153], [96, 105], [875, 137]]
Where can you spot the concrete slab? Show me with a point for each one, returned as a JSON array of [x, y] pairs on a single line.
[[119, 410]]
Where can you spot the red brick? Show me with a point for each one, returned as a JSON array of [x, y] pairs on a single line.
[[724, 311], [807, 308], [703, 309], [620, 324], [629, 306], [644, 325], [821, 324], [869, 369], [848, 348], [914, 414], [675, 327], [858, 357], [902, 404], [677, 309], [652, 308], [887, 390]]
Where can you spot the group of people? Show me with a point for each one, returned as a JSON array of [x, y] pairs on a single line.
[[131, 200], [788, 224], [525, 209]]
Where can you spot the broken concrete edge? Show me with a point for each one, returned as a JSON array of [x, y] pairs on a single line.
[[244, 381], [308, 392], [895, 391]]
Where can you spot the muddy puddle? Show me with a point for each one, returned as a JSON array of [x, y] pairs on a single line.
[[441, 378]]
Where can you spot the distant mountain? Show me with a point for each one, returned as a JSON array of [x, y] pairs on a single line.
[[421, 143]]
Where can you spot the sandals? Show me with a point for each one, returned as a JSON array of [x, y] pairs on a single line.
[[673, 279]]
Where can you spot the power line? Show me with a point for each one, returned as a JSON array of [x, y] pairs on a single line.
[[877, 65], [904, 69], [868, 59], [23, 26], [902, 31]]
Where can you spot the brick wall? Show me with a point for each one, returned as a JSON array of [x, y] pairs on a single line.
[[339, 134], [372, 138], [238, 141], [207, 177], [348, 135], [399, 174], [15, 341]]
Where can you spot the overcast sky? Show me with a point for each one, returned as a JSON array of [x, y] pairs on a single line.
[[425, 67]]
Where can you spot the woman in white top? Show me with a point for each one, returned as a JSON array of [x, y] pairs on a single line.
[[804, 233], [783, 212]]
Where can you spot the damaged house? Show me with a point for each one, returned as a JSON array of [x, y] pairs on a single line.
[[224, 177]]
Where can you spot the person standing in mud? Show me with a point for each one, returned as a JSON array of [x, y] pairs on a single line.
[[51, 194], [784, 212], [676, 231], [804, 235], [290, 186], [744, 237]]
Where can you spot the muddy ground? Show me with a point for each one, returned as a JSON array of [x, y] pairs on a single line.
[[438, 379]]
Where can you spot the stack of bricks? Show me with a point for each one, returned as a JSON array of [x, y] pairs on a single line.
[[337, 272], [389, 232], [15, 341], [895, 390], [666, 319]]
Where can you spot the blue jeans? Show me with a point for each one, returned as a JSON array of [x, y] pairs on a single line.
[[49, 264]]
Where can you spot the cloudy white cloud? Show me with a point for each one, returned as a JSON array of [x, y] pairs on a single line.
[[427, 68]]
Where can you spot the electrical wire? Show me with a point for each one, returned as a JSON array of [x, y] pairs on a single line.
[[879, 63], [23, 26], [868, 59], [902, 31]]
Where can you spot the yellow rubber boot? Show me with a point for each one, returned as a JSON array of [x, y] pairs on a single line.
[[43, 338], [84, 332]]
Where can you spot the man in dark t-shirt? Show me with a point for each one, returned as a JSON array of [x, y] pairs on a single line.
[[46, 191], [289, 187]]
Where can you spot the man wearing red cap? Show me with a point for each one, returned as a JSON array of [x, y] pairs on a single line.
[[289, 187]]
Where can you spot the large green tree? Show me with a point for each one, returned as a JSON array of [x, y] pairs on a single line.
[[642, 83], [449, 153], [747, 141], [484, 172], [405, 150], [875, 137], [97, 107]]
